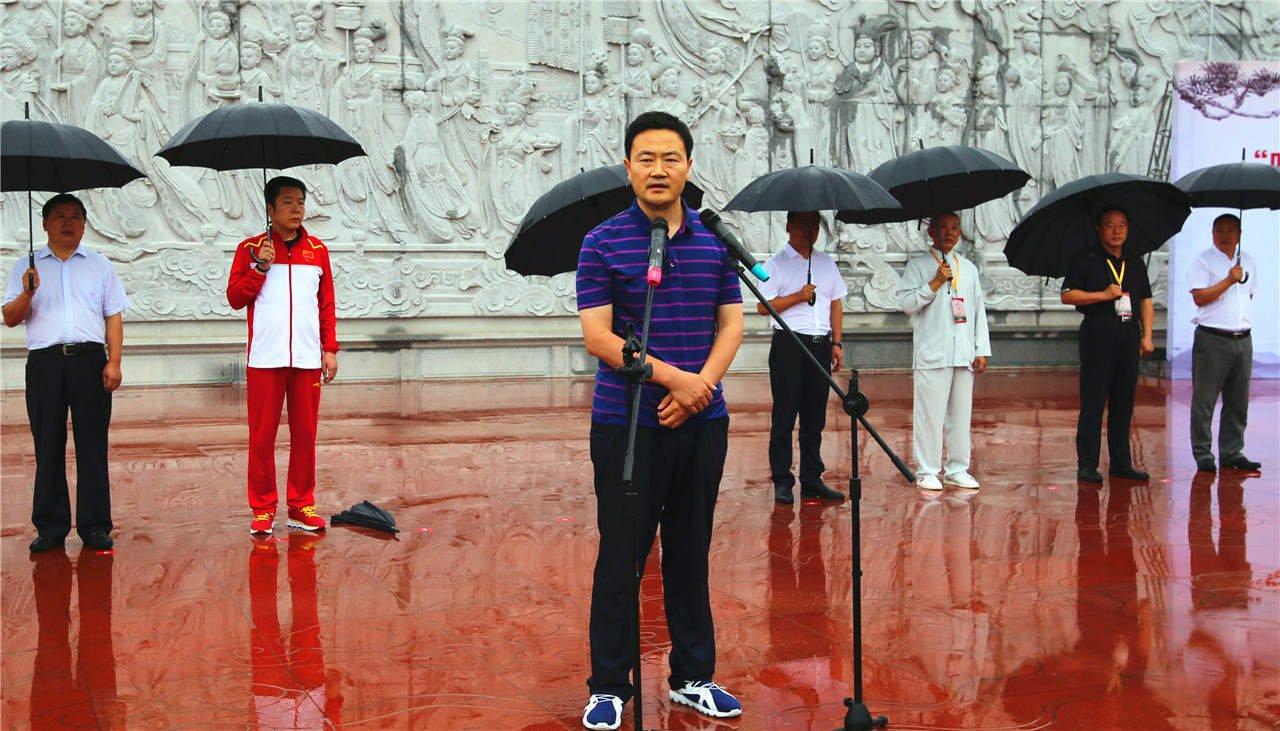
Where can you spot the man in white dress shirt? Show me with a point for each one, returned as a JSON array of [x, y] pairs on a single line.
[[941, 292], [71, 303], [1222, 355], [806, 288]]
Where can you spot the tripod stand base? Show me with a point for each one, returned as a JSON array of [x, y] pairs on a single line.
[[858, 718]]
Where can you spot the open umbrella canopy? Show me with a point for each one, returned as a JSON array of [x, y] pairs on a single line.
[[549, 237], [58, 158], [275, 136], [1062, 223], [1237, 185], [812, 188], [940, 179]]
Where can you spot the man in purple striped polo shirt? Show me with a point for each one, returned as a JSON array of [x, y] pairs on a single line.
[[695, 331]]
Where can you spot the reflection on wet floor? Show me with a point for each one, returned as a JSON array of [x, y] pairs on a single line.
[[1033, 602]]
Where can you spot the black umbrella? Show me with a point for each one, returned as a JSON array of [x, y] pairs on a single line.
[[812, 188], [273, 136], [57, 158], [941, 179], [262, 136], [549, 238], [1062, 223], [366, 515], [1236, 185]]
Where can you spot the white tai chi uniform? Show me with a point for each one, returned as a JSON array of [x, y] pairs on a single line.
[[944, 351]]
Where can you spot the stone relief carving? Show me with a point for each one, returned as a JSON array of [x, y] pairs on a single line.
[[468, 112]]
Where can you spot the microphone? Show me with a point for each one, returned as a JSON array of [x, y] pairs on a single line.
[[712, 221], [657, 249]]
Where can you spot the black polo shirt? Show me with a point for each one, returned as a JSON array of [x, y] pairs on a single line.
[[1088, 272]]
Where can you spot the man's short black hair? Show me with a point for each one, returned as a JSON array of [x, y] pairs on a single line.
[[660, 120], [1226, 217], [283, 181], [1097, 220], [791, 215], [60, 199]]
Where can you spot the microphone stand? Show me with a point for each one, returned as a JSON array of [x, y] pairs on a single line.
[[636, 370], [856, 405]]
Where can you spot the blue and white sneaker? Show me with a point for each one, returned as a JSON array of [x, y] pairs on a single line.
[[603, 712], [708, 698]]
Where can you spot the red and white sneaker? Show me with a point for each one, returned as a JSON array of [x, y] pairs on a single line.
[[262, 522], [306, 518]]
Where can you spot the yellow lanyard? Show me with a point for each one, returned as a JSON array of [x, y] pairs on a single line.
[[955, 271], [1119, 277]]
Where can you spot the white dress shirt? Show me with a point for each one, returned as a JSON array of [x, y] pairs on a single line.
[[74, 298], [788, 273], [940, 342], [1233, 310]]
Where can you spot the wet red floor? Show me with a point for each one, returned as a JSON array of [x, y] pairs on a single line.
[[1033, 603]]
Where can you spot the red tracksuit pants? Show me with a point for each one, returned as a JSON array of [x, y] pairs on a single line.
[[268, 389]]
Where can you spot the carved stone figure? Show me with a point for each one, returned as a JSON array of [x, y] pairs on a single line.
[[944, 117], [1133, 133], [819, 72], [668, 98], [366, 185], [20, 78], [435, 198], [866, 104], [796, 139], [1064, 129], [303, 66], [253, 77], [461, 121], [718, 126], [124, 112], [993, 220], [599, 125], [918, 78], [77, 63], [212, 79], [637, 74], [1099, 100], [1025, 79], [147, 39], [36, 21], [520, 166]]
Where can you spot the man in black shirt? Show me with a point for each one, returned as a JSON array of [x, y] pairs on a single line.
[[1112, 291]]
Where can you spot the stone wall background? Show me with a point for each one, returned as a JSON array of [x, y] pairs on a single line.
[[470, 110]]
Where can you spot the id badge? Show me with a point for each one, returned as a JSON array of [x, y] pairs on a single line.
[[957, 310], [1124, 306]]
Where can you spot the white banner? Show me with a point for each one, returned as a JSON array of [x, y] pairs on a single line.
[[1218, 112]]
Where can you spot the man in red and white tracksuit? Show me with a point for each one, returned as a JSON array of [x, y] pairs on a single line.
[[287, 284]]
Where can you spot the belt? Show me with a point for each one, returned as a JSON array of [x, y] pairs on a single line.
[[1233, 334], [71, 348], [804, 337]]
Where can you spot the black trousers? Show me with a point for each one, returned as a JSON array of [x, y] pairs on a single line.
[[1108, 378], [797, 390], [678, 474], [56, 382]]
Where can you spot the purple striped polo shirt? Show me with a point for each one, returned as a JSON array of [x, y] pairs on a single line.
[[697, 279]]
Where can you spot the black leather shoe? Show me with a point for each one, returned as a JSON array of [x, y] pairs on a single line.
[[782, 494], [1127, 472], [98, 540], [46, 543], [1088, 474], [821, 490], [1243, 463], [1206, 465]]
